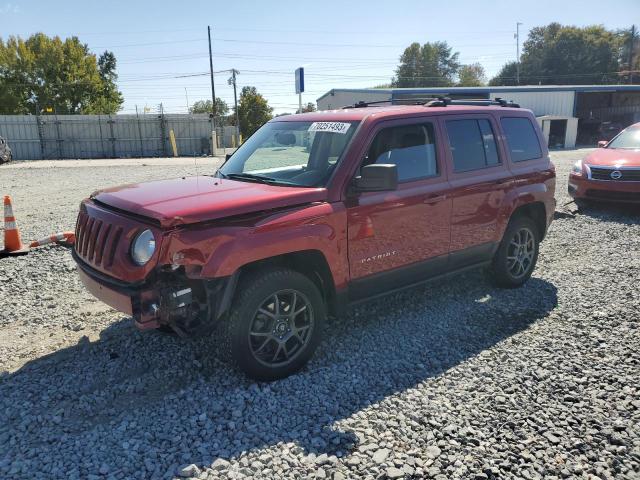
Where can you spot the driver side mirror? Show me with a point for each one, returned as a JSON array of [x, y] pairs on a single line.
[[377, 177], [602, 143]]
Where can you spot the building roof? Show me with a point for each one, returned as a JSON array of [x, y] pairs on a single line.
[[489, 89]]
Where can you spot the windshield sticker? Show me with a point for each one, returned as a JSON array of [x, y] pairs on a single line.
[[333, 127]]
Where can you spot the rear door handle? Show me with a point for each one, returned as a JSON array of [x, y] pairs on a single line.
[[434, 199]]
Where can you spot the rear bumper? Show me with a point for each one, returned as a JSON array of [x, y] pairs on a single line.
[[581, 187]]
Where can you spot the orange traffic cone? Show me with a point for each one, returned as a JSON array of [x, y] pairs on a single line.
[[68, 238], [12, 243]]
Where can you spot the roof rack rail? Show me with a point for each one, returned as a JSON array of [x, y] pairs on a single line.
[[362, 104], [481, 102]]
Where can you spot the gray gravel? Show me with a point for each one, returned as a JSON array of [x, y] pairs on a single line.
[[451, 380]]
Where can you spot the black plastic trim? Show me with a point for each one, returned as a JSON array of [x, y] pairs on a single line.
[[384, 283]]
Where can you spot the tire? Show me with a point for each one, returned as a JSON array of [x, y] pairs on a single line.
[[513, 265], [259, 332]]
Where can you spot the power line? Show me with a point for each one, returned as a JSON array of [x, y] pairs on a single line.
[[149, 44], [235, 55], [366, 45], [299, 44], [320, 75]]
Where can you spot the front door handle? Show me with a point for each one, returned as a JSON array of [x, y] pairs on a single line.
[[434, 199]]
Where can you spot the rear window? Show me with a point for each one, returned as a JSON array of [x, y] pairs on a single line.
[[472, 144], [522, 140]]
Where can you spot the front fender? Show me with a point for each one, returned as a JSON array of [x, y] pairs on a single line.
[[220, 251]]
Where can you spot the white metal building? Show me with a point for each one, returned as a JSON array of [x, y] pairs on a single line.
[[569, 114]]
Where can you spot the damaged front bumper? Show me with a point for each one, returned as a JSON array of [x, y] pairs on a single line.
[[188, 306]]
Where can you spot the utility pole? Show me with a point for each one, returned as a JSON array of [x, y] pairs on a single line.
[[187, 97], [213, 88], [631, 44], [232, 81], [517, 36]]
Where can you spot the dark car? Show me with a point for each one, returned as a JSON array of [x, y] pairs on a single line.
[[317, 211], [5, 151]]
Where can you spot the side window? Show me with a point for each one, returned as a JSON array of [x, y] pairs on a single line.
[[522, 140], [411, 148], [472, 143]]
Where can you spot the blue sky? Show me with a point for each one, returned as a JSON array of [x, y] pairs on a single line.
[[340, 43]]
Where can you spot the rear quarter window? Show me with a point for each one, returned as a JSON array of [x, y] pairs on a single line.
[[472, 144], [521, 137]]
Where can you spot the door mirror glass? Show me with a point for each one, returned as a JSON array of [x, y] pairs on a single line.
[[602, 143], [377, 177]]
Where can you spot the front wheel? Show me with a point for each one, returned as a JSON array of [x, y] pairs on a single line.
[[275, 324], [517, 254]]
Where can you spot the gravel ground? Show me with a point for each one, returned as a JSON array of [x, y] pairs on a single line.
[[450, 380]]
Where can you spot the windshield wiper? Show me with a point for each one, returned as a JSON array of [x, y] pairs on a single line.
[[250, 176]]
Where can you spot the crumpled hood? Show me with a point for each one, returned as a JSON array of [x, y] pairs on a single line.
[[614, 157], [202, 198]]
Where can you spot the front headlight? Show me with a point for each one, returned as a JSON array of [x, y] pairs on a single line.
[[143, 247], [577, 168]]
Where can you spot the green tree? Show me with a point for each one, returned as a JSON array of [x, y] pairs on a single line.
[[253, 110], [42, 72], [204, 106], [471, 76], [556, 54], [629, 50], [309, 107], [506, 76], [429, 65]]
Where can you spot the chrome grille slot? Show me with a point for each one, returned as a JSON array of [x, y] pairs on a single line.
[[92, 241], [86, 237], [97, 239], [100, 243], [626, 174], [82, 220], [112, 246]]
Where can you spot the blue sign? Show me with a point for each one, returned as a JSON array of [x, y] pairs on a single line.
[[299, 80]]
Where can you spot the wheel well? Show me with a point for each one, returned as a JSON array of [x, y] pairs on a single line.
[[537, 212], [311, 263]]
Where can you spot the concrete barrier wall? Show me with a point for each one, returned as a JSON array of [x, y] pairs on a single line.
[[109, 136]]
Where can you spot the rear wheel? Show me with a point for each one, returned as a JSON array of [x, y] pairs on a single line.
[[275, 324], [517, 254]]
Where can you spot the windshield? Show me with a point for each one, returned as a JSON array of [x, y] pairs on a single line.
[[629, 139], [291, 153]]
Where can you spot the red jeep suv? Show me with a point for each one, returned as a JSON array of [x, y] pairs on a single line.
[[317, 211]]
